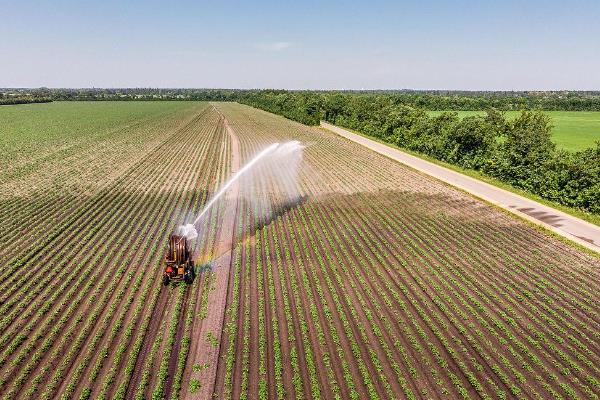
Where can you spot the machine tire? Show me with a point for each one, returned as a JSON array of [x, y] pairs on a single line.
[[165, 280]]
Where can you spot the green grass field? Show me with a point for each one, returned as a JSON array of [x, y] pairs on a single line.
[[573, 130]]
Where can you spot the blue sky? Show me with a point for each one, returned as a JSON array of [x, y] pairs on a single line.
[[494, 45]]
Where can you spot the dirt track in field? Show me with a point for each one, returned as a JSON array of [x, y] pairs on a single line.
[[156, 318], [208, 338]]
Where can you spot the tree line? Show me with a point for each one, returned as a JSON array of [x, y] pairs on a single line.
[[516, 151], [440, 100], [460, 100], [13, 100]]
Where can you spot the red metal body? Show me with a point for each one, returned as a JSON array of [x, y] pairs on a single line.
[[178, 261]]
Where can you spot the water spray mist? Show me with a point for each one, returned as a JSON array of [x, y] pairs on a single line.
[[276, 167]]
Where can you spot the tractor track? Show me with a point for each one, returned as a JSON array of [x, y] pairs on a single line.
[[157, 319], [173, 361], [205, 353], [157, 316]]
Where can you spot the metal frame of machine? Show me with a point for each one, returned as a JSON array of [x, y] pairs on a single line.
[[179, 265]]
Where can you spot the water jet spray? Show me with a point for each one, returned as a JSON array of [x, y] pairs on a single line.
[[275, 167]]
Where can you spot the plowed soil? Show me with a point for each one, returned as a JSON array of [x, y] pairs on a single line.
[[378, 282]]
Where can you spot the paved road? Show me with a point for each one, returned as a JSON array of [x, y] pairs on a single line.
[[573, 228]]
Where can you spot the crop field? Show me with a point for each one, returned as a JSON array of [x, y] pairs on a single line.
[[380, 282], [573, 130]]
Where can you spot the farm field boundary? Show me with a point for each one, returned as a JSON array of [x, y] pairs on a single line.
[[575, 229]]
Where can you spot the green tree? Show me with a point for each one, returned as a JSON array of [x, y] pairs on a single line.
[[526, 149]]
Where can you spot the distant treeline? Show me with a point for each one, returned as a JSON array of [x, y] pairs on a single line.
[[428, 99], [517, 151], [23, 100]]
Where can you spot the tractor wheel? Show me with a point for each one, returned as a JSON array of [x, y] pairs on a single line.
[[165, 280], [187, 278]]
